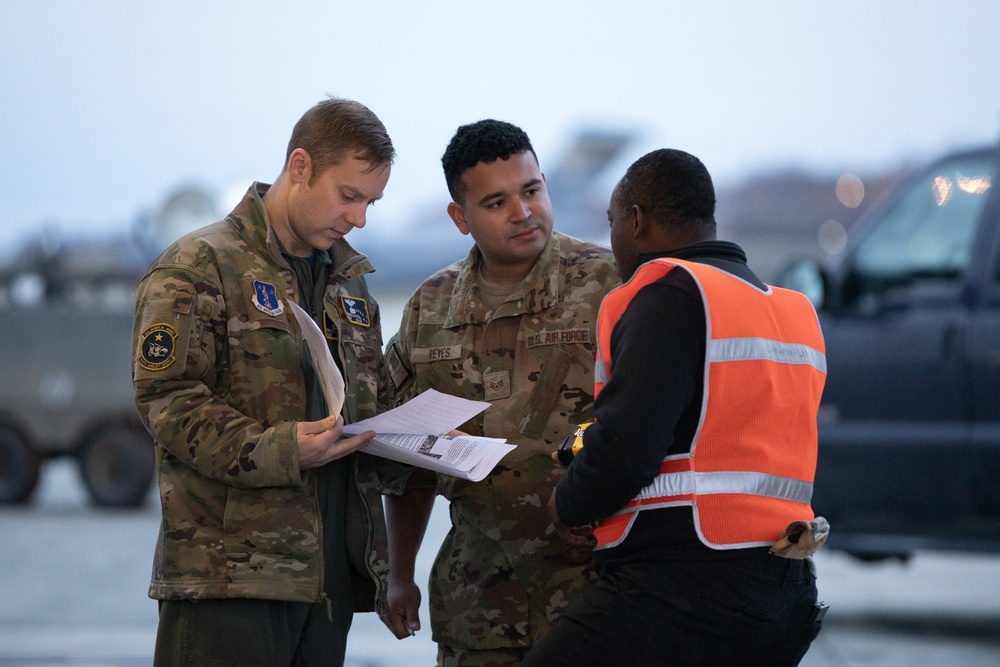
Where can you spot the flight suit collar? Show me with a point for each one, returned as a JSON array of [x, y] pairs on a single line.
[[249, 218]]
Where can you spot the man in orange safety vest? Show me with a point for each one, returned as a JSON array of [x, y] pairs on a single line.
[[703, 450]]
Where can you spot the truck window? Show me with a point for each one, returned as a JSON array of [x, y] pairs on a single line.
[[925, 238]]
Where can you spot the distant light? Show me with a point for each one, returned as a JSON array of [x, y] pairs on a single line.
[[850, 190], [832, 237], [974, 185], [942, 190], [28, 289]]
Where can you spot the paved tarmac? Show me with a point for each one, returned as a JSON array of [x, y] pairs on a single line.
[[73, 592]]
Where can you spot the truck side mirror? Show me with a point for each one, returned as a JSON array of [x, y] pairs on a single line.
[[806, 276]]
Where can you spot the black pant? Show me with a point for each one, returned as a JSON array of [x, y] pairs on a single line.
[[251, 633], [752, 611]]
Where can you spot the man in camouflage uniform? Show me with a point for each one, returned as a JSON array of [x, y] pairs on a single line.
[[512, 324], [273, 532]]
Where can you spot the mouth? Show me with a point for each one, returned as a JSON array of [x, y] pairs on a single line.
[[526, 233]]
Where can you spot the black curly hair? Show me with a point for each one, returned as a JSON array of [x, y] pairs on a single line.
[[671, 186], [483, 141]]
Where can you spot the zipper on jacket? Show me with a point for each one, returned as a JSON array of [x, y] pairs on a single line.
[[320, 593], [321, 540], [369, 542]]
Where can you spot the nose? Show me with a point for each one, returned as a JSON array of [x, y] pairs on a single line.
[[520, 209], [356, 216]]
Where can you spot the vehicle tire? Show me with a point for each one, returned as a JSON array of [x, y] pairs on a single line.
[[117, 466], [879, 556], [19, 467]]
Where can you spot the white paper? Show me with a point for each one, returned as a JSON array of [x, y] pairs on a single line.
[[414, 432], [326, 368], [463, 456], [429, 413]]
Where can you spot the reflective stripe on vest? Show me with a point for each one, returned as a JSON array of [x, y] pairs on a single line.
[[752, 459]]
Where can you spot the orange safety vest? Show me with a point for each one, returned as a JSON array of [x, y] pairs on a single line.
[[749, 472]]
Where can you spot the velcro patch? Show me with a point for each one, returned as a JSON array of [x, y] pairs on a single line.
[[156, 347], [355, 310], [497, 385], [329, 328], [560, 337], [423, 355], [398, 372], [265, 297]]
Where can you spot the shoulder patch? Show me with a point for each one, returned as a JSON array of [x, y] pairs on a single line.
[[265, 297], [355, 310], [398, 372], [156, 347]]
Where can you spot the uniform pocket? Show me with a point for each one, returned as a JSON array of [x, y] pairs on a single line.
[[545, 395]]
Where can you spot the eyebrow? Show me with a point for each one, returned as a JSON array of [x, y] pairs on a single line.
[[493, 195]]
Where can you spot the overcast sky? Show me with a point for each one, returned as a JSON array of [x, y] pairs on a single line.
[[106, 107]]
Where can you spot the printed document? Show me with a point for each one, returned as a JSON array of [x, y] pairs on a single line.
[[414, 432]]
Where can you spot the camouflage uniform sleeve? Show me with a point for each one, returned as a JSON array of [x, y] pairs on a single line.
[[179, 344]]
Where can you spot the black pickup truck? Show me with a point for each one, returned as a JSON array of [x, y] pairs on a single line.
[[909, 427]]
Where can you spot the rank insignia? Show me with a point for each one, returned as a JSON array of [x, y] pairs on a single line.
[[156, 347], [265, 297], [356, 310], [497, 385]]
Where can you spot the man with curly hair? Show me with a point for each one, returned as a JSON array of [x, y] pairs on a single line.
[[511, 324]]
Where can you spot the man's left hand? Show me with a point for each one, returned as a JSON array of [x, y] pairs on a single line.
[[578, 535]]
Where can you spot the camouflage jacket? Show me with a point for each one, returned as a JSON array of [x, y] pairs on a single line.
[[503, 575], [218, 382]]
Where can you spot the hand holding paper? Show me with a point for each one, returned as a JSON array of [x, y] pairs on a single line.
[[412, 433]]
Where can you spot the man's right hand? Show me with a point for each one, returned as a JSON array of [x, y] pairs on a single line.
[[320, 442], [403, 617]]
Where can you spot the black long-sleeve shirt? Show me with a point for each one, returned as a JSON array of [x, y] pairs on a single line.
[[648, 409]]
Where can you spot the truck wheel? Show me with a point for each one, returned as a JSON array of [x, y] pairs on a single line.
[[117, 466], [19, 467]]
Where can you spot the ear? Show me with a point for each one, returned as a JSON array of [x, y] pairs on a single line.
[[299, 167], [640, 223], [457, 214]]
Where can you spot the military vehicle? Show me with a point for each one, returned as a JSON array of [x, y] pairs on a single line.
[[66, 310]]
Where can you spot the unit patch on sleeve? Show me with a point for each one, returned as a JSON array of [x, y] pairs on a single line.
[[265, 297], [355, 310], [156, 347]]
